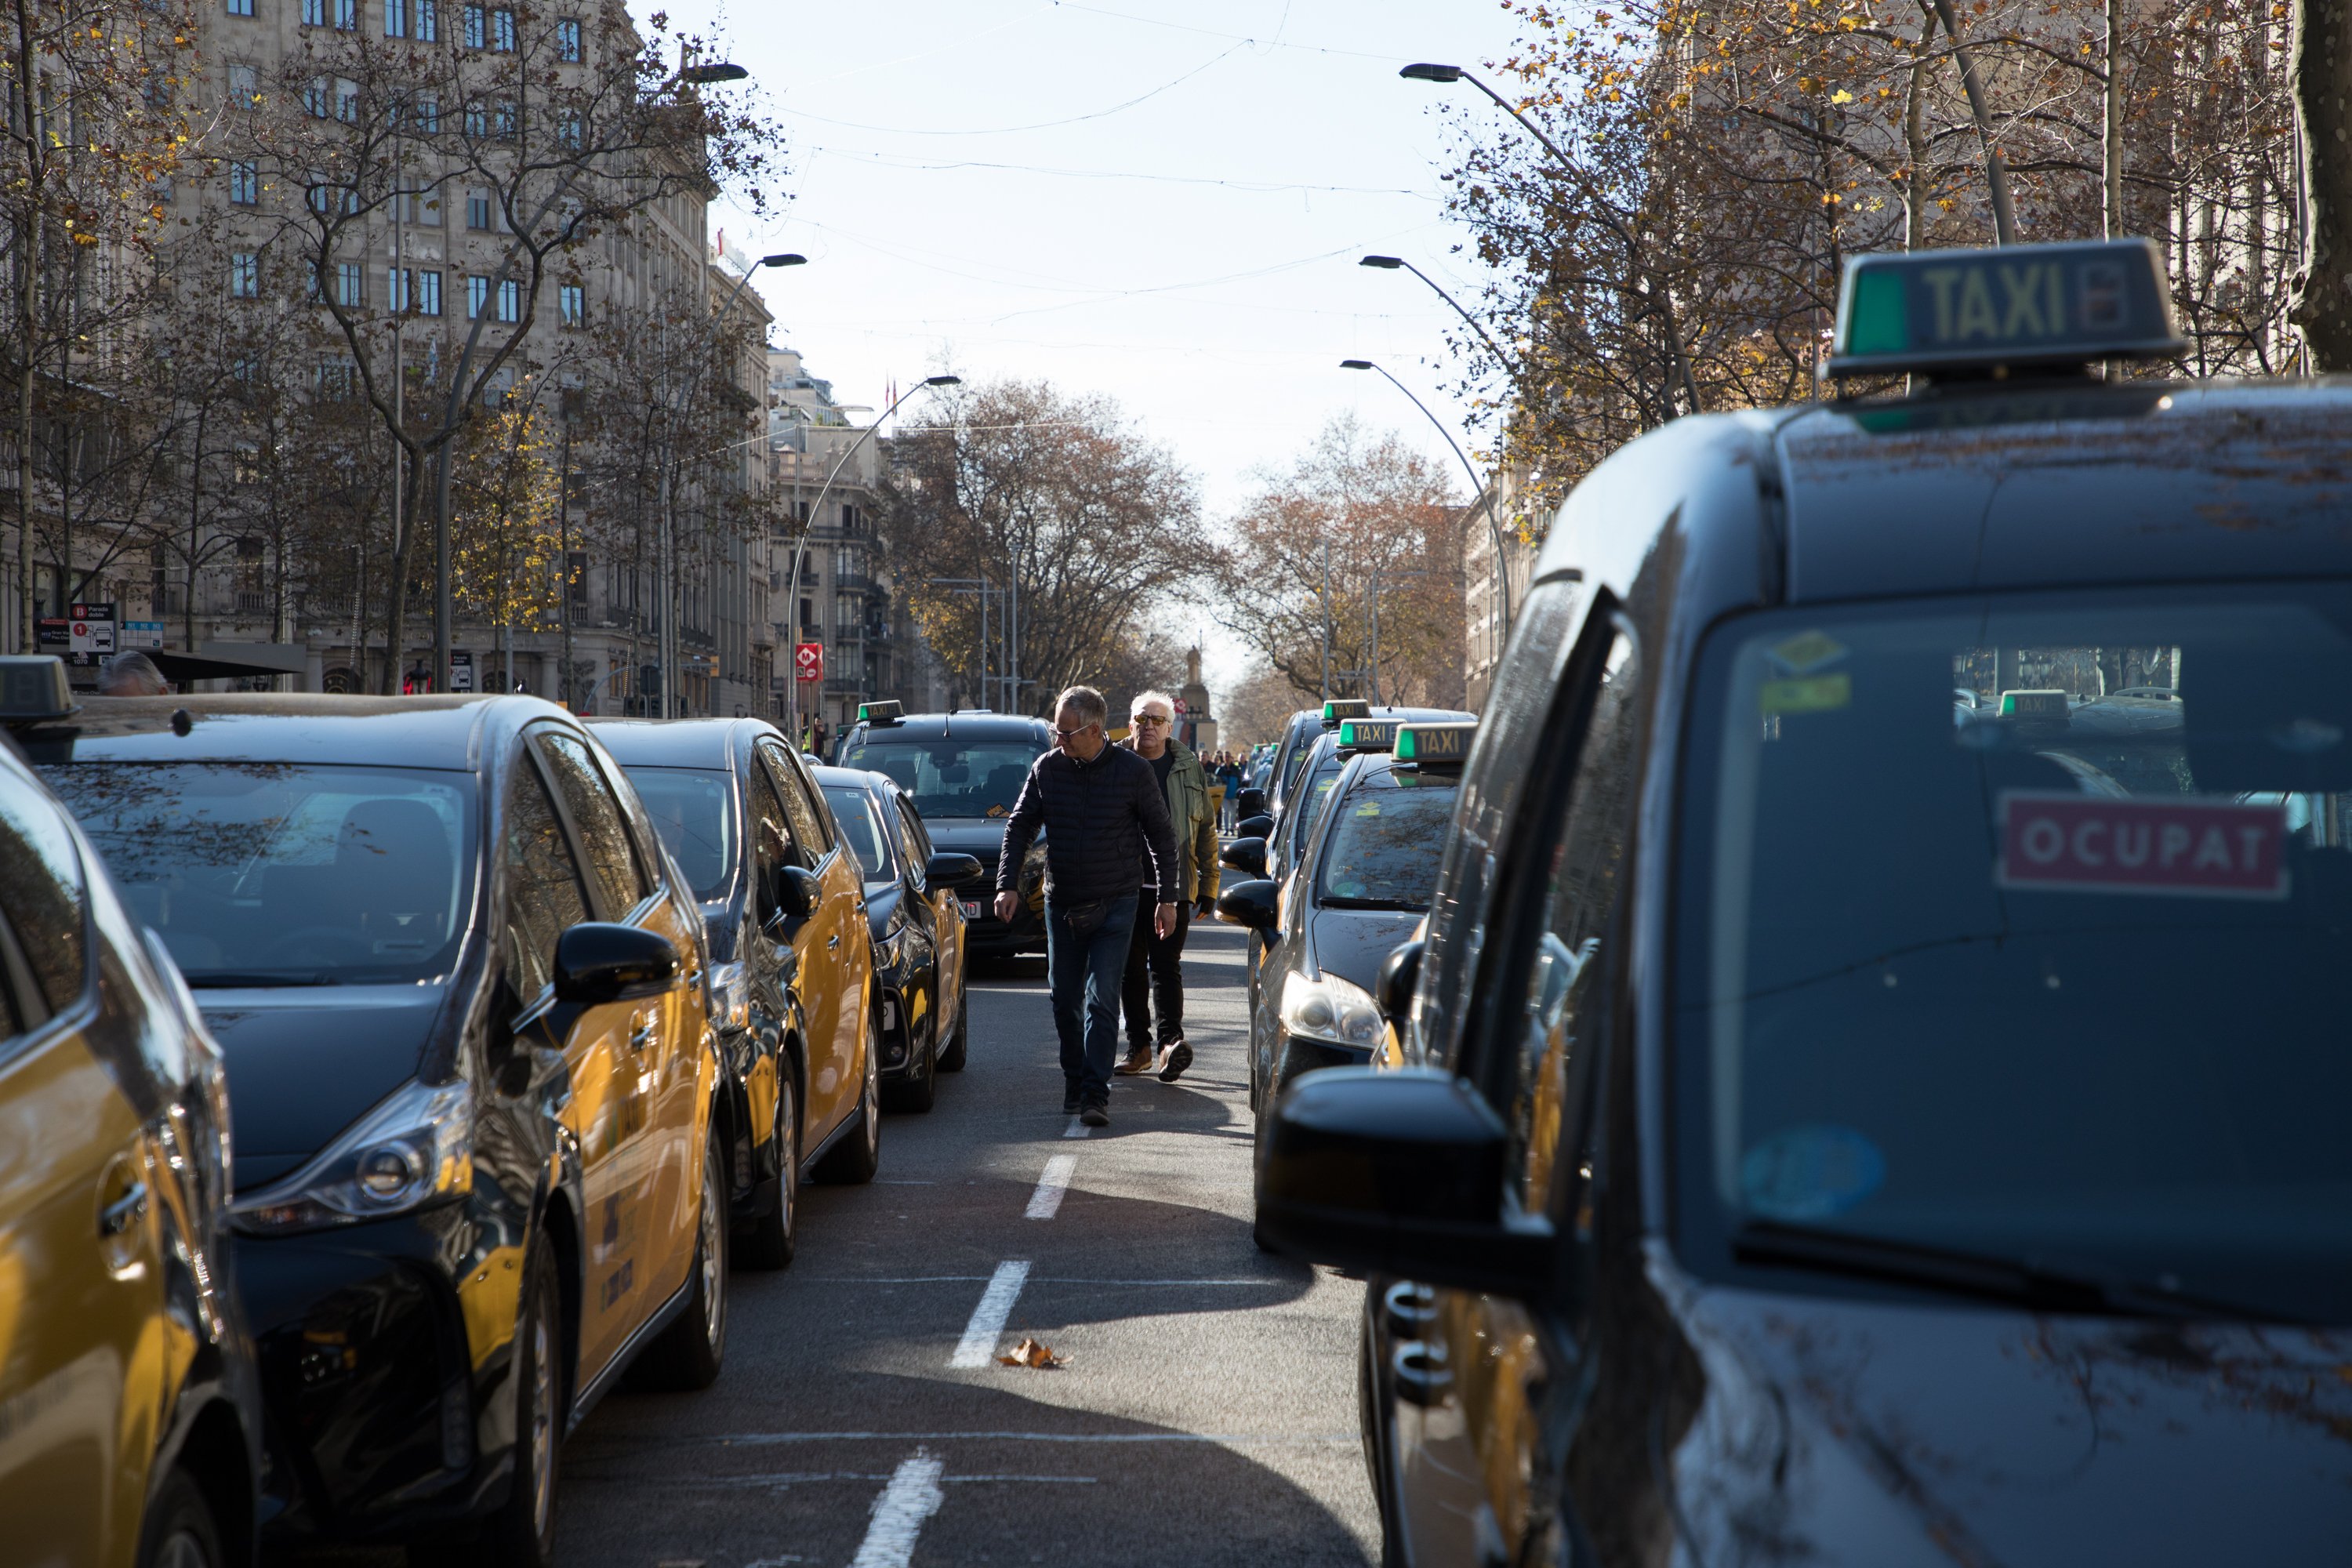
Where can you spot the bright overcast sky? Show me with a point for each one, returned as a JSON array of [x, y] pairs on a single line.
[[1162, 202]]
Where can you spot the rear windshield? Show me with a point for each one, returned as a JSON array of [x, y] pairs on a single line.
[[280, 874], [693, 810], [853, 810], [2017, 926], [1383, 850], [947, 776]]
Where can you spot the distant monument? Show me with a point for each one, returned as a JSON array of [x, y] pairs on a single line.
[[1197, 728]]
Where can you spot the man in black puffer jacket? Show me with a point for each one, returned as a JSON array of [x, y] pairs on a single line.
[[1103, 812]]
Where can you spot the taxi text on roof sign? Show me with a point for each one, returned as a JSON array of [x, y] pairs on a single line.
[[1366, 734], [1340, 707], [880, 712], [2017, 305], [1435, 745]]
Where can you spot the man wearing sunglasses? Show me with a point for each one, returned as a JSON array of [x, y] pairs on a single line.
[[1103, 813], [1155, 975]]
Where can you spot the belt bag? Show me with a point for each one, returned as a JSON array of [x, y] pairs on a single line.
[[1085, 920]]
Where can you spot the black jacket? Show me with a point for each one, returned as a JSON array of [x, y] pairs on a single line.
[[1100, 819]]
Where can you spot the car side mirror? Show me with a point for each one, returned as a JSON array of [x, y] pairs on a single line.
[[1400, 978], [1244, 855], [952, 870], [1254, 904], [796, 893], [1256, 825], [1396, 1172], [597, 962], [1250, 803]]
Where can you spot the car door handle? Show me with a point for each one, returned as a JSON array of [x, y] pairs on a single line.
[[124, 1212], [642, 1036], [833, 941]]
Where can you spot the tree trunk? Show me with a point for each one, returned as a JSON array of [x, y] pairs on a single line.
[[2320, 77]]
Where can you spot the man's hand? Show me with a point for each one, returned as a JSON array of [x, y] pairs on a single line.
[[1007, 906], [1163, 920]]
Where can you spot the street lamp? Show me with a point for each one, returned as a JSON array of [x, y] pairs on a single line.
[[712, 74], [799, 539], [1654, 289], [1390, 263], [1486, 492]]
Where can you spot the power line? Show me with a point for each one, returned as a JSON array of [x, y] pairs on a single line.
[[1011, 130]]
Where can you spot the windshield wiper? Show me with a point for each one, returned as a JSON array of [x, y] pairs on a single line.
[[2034, 1286], [1337, 901], [220, 979]]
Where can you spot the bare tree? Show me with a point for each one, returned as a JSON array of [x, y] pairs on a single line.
[[2322, 85]]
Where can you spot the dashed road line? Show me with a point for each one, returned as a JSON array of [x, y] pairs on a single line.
[[911, 1498], [1048, 1198], [988, 1318], [1077, 1129]]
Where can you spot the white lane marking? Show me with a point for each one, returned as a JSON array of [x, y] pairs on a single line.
[[912, 1497], [774, 1439], [987, 1325], [1077, 1129], [1051, 1186]]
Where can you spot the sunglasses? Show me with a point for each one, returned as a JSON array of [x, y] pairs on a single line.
[[1071, 734], [1151, 719]]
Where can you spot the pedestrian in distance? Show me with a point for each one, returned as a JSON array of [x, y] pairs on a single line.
[[1103, 813], [1155, 974], [131, 674], [1229, 775]]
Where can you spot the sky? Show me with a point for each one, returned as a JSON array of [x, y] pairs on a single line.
[[1160, 201]]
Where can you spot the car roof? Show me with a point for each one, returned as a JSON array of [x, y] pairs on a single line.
[[828, 777], [448, 731], [963, 726], [680, 743]]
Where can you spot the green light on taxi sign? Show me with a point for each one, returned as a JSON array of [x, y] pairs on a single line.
[[2014, 306], [1366, 734], [1341, 707], [1435, 745], [880, 712]]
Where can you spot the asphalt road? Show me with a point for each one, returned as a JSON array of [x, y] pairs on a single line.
[[1207, 1414]]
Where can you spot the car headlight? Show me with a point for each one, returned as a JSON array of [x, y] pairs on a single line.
[[730, 995], [415, 1149], [1329, 1008]]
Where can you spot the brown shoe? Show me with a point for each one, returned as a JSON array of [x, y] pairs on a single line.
[[1138, 1061]]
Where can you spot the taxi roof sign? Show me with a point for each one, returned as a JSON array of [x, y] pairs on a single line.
[[1366, 734], [1446, 745], [2011, 306], [880, 712], [1340, 707], [33, 689]]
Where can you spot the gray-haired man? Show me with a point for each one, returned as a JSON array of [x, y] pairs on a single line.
[[1103, 812]]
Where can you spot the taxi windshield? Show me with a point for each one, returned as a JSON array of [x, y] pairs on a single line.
[[695, 817], [285, 874], [1383, 850], [1312, 788], [947, 776], [853, 809], [2016, 926]]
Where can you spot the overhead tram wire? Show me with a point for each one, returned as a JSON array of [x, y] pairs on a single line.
[[1016, 129], [1254, 187]]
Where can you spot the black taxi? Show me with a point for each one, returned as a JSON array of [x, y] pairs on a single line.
[[130, 1410], [1871, 1094], [460, 988]]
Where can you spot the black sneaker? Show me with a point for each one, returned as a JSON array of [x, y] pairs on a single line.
[[1069, 1103], [1095, 1115], [1179, 1056]]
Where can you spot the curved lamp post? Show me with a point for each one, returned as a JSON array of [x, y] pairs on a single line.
[[1390, 263], [1485, 491]]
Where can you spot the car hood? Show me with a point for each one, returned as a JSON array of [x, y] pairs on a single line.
[[1351, 943], [305, 1063], [1836, 1432], [981, 838]]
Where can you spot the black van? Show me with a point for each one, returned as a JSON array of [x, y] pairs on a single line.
[[1878, 1053]]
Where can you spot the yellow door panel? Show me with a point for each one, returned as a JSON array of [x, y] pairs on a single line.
[[607, 1112], [677, 1092]]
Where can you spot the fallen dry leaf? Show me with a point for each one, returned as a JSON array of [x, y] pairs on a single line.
[[1031, 1353]]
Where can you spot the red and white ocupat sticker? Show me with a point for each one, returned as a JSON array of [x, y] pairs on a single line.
[[2210, 848]]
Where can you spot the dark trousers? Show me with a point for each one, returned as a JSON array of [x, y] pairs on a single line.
[[1083, 974], [1155, 976]]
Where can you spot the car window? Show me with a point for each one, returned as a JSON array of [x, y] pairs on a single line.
[[1382, 850], [949, 775], [603, 833], [853, 813], [916, 842], [772, 839], [693, 813], [1309, 800], [41, 894], [544, 895], [810, 836]]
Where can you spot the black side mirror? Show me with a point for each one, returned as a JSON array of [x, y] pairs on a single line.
[[796, 893], [597, 962], [1244, 855], [1257, 825], [953, 871], [1254, 904], [1250, 802], [1400, 978], [1396, 1172]]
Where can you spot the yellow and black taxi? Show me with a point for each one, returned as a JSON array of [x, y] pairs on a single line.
[[131, 1411], [914, 912], [790, 986], [461, 991], [962, 771], [1849, 1122]]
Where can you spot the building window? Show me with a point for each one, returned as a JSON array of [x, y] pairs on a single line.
[[336, 380], [427, 285], [510, 299], [572, 305], [240, 7], [423, 209], [478, 294], [318, 98], [477, 122], [347, 15], [244, 184], [244, 87], [567, 38], [504, 119], [428, 21], [350, 283], [428, 293], [395, 18], [426, 116], [478, 210], [474, 28], [347, 100], [503, 31], [244, 275], [314, 13], [568, 130]]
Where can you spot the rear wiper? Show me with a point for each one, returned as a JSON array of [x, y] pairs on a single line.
[[2034, 1285], [220, 979]]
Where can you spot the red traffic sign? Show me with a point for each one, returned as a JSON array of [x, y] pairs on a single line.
[[808, 660], [1180, 705]]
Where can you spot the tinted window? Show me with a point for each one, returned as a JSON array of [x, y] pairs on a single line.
[[276, 873], [2054, 973], [1381, 851], [852, 811], [1308, 799], [693, 812], [914, 841], [947, 776], [809, 833], [41, 893], [770, 832], [603, 833], [544, 896]]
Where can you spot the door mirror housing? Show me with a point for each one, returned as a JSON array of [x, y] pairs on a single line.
[[1254, 904], [1250, 803], [793, 893], [1247, 855], [1400, 978], [953, 871], [597, 962], [1398, 1173], [1257, 825]]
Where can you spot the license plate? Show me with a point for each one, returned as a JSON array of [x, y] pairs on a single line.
[[971, 909]]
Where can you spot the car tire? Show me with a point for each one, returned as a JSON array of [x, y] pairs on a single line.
[[689, 1352], [769, 1241], [521, 1533], [919, 1091], [952, 1059], [179, 1532], [858, 1155]]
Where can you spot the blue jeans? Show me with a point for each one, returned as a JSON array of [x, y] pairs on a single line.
[[1084, 973]]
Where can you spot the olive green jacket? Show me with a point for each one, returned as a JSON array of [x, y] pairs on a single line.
[[1191, 813]]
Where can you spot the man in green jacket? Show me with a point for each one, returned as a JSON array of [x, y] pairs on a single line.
[[1155, 977]]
